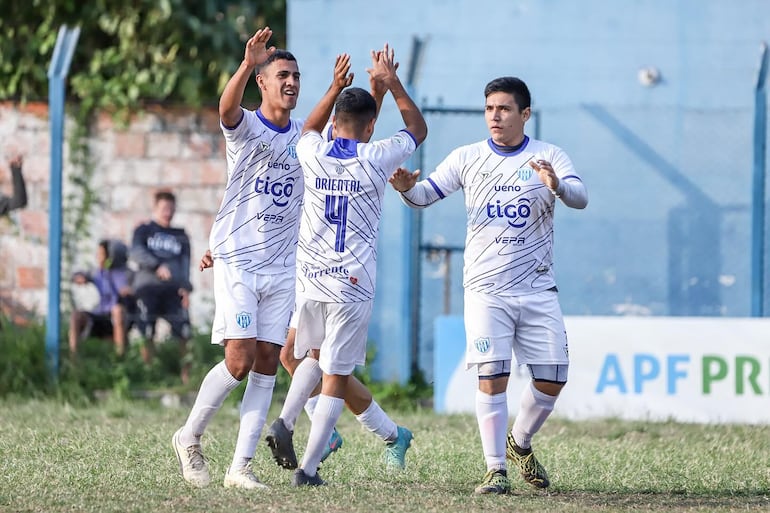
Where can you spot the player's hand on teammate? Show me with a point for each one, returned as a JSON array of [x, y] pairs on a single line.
[[546, 173], [402, 179], [257, 51], [342, 76], [206, 261]]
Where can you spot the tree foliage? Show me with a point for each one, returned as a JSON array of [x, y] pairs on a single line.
[[181, 51]]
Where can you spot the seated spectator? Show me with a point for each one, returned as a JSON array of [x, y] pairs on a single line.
[[160, 255], [110, 317], [19, 197]]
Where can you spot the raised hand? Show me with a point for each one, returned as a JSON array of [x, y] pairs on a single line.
[[342, 77], [257, 52], [402, 180], [384, 66]]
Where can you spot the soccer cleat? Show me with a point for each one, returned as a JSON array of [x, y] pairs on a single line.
[[192, 465], [495, 481], [301, 479], [279, 439], [531, 470], [243, 478], [335, 442], [395, 452]]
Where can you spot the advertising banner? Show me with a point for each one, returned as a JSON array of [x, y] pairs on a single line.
[[690, 369]]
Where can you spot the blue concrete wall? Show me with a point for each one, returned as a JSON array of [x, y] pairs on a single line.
[[667, 230]]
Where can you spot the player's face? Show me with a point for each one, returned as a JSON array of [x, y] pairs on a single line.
[[279, 84], [505, 120]]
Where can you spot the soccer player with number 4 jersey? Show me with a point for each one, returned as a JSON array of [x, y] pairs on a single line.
[[336, 257], [511, 184]]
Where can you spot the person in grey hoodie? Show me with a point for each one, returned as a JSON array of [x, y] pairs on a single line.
[[160, 256]]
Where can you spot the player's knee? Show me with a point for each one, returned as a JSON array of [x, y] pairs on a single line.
[[288, 360], [493, 376], [549, 379]]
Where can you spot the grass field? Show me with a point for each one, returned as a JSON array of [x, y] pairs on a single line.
[[117, 457]]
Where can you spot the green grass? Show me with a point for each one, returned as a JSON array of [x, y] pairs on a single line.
[[117, 457]]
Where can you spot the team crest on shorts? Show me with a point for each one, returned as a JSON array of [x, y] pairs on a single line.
[[243, 319], [482, 344], [292, 149]]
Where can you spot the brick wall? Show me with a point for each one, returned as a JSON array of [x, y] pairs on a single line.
[[181, 150]]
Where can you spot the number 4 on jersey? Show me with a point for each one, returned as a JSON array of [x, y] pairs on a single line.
[[337, 214]]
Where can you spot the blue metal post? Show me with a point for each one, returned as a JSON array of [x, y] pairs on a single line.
[[57, 73], [412, 238], [758, 190]]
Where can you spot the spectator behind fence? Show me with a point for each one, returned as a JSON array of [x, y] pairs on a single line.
[[112, 280], [19, 197], [160, 254]]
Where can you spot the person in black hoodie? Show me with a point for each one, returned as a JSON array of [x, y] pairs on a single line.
[[19, 197], [160, 255]]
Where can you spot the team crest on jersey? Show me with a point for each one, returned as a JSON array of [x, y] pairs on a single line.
[[243, 319], [339, 169], [263, 146], [482, 344], [292, 149], [525, 173]]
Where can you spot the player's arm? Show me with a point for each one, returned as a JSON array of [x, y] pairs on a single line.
[[256, 54], [385, 66], [320, 114], [560, 177]]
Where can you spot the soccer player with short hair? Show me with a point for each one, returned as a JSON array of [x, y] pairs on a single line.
[[511, 184], [253, 245], [336, 258]]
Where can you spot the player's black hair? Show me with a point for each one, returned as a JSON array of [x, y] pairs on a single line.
[[511, 85], [117, 253], [355, 107], [277, 55]]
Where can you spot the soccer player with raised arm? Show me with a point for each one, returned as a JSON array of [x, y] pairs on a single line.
[[336, 257], [253, 246], [511, 184]]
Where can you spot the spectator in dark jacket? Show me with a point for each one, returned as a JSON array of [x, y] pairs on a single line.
[[160, 255]]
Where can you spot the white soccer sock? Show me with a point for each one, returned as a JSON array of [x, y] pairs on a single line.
[[216, 386], [310, 406], [254, 406], [492, 416], [306, 378], [377, 421], [327, 413], [534, 408]]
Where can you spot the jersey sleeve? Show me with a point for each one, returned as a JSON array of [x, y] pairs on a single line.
[[394, 151], [308, 144], [571, 189], [442, 182]]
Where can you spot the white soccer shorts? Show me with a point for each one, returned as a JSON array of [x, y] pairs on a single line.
[[251, 305], [531, 325], [339, 330]]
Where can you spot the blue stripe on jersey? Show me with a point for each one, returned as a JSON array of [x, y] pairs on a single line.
[[344, 148], [271, 126], [410, 135], [495, 148], [435, 188]]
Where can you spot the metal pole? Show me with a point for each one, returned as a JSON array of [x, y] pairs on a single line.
[[758, 190], [413, 236], [57, 73]]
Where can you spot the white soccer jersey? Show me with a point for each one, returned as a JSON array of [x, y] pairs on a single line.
[[344, 185], [509, 239], [257, 223]]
